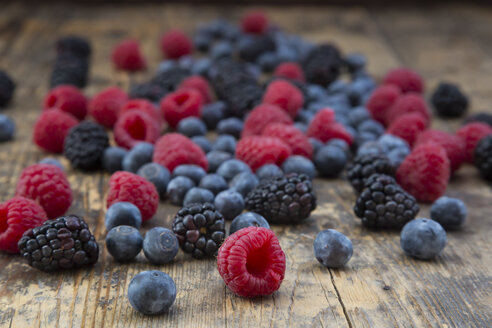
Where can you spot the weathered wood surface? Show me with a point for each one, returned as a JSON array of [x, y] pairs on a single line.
[[380, 287]]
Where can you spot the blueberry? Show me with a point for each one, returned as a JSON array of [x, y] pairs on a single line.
[[198, 195], [449, 212], [151, 292], [269, 171], [363, 137], [213, 113], [52, 161], [221, 49], [371, 126], [248, 219], [113, 159], [123, 213], [423, 239], [186, 62], [213, 182], [340, 143], [160, 245], [397, 156], [158, 175], [201, 66], [244, 182], [337, 86], [194, 172], [301, 126], [7, 128], [232, 126], [316, 144], [203, 143], [299, 164], [192, 126], [355, 61], [230, 203], [215, 158], [268, 61], [177, 189], [370, 148], [226, 143], [358, 115], [389, 142], [138, 156], [332, 248], [330, 161], [202, 41], [124, 242], [232, 167], [315, 92], [166, 65]]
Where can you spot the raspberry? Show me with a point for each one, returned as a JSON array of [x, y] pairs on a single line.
[[407, 103], [408, 127], [251, 262], [16, 216], [175, 44], [255, 22], [174, 149], [452, 144], [51, 129], [472, 133], [144, 106], [323, 127], [257, 151], [425, 172], [133, 127], [290, 70], [132, 188], [181, 104], [284, 95], [292, 136], [106, 105], [381, 100], [405, 79], [261, 116], [127, 56], [68, 99], [199, 84]]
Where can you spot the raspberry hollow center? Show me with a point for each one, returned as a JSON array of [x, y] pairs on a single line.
[[181, 99], [3, 221], [257, 261], [137, 129]]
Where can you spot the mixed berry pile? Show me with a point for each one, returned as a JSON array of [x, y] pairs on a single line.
[[284, 110]]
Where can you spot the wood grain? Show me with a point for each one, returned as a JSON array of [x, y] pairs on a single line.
[[380, 287]]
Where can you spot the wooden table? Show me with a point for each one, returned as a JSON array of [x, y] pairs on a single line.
[[380, 287]]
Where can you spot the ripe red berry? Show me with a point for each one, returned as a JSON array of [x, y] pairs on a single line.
[[425, 172], [471, 134], [284, 95], [18, 215], [175, 43], [127, 56], [133, 127], [292, 136], [106, 105], [381, 100], [132, 188], [181, 104], [251, 262], [452, 144], [48, 185], [257, 151], [68, 99], [407, 103], [324, 127], [145, 106], [408, 127], [406, 79], [255, 22], [173, 149], [198, 83], [261, 116], [51, 129], [290, 70]]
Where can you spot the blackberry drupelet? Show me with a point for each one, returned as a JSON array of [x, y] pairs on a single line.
[[323, 64], [7, 87], [449, 101], [70, 69], [75, 45], [483, 157], [383, 204], [287, 199], [85, 145], [243, 97], [63, 243], [364, 166], [200, 229], [169, 79]]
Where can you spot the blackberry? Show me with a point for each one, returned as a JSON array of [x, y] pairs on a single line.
[[243, 97], [7, 87], [251, 47], [85, 145], [75, 45], [483, 157], [364, 166], [63, 243], [323, 64], [479, 117], [449, 101], [200, 229], [383, 204], [70, 69], [286, 199], [169, 79], [150, 91]]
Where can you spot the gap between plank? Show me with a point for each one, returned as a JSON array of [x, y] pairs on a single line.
[[345, 313]]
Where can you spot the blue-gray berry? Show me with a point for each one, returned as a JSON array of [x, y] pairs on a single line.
[[203, 143], [113, 159], [123, 213], [198, 195], [330, 161], [52, 161], [177, 189], [194, 172], [213, 182], [316, 144], [244, 182], [230, 203], [340, 143], [449, 212], [248, 219], [269, 171], [192, 126], [232, 167], [124, 242], [138, 156], [226, 143], [299, 164], [7, 128], [151, 292], [158, 175], [423, 239], [232, 126], [215, 158], [213, 113], [160, 245], [332, 248]]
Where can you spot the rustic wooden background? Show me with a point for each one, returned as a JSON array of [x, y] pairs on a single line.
[[380, 287]]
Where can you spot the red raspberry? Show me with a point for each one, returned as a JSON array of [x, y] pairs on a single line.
[[251, 262], [181, 104], [290, 70], [18, 215], [127, 56], [106, 105], [146, 107], [408, 127], [175, 44], [132, 188], [258, 150], [174, 149], [261, 116], [452, 144], [324, 127], [292, 136], [472, 133], [133, 127], [407, 103], [68, 99], [425, 172], [255, 22], [381, 100], [51, 129], [406, 79], [48, 185], [199, 84], [284, 95]]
